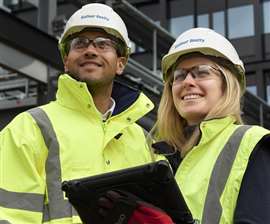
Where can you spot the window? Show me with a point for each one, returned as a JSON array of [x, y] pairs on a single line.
[[241, 21], [203, 20], [268, 93], [266, 17], [219, 22], [252, 89], [267, 76], [10, 2], [180, 24], [135, 48], [20, 4], [251, 82]]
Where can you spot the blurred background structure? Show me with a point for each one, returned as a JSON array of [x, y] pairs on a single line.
[[30, 62]]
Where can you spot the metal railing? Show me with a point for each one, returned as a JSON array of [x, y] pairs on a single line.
[[257, 110], [16, 90]]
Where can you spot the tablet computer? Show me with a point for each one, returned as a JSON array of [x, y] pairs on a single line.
[[153, 182]]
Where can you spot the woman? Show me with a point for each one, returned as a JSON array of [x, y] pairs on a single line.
[[224, 169], [221, 166]]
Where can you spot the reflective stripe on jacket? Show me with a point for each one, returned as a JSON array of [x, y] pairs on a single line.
[[210, 175], [35, 158]]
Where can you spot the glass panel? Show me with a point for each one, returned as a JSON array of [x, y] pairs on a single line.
[[241, 21], [180, 24], [33, 2], [203, 20], [252, 89], [268, 93], [219, 22], [266, 17], [4, 6], [19, 4], [251, 82], [267, 75], [11, 2], [135, 48]]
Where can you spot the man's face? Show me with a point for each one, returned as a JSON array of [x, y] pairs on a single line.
[[93, 64]]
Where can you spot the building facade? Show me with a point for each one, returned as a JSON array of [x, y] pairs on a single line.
[[152, 25]]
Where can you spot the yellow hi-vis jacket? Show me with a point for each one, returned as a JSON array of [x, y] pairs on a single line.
[[210, 175], [36, 157]]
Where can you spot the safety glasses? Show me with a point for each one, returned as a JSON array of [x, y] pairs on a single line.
[[198, 72], [101, 44]]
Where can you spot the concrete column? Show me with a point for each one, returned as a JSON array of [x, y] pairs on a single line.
[[47, 10], [258, 21]]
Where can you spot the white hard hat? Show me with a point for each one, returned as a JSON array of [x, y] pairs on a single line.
[[95, 15], [207, 42]]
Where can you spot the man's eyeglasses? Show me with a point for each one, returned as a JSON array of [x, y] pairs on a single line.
[[199, 72], [101, 44]]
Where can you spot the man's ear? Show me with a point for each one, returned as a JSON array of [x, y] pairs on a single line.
[[65, 62], [121, 63]]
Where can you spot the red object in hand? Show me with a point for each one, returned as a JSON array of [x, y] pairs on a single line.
[[144, 214]]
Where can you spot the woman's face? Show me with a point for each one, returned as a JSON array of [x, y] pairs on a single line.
[[196, 88]]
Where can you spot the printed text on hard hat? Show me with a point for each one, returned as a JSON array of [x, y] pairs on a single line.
[[95, 16], [189, 41]]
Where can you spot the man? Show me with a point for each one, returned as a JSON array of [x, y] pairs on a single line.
[[89, 129]]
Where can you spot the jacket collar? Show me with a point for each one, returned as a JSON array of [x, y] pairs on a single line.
[[74, 94], [211, 128]]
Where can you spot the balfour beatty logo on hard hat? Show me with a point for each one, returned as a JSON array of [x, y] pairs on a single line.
[[95, 16], [199, 40]]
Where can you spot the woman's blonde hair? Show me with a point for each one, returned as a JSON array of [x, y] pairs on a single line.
[[170, 125]]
